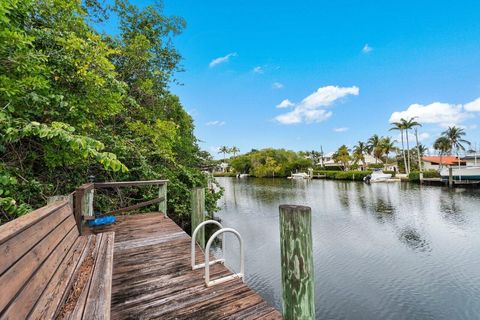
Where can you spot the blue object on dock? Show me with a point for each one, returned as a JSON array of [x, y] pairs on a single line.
[[102, 221]]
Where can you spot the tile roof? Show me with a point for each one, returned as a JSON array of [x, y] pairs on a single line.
[[446, 160]]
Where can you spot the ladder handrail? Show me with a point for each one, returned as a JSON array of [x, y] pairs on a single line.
[[194, 236], [207, 257]]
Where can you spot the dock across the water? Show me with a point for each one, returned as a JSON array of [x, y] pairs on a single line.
[[455, 183]]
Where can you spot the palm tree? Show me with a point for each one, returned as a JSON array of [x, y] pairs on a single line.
[[359, 152], [224, 150], [387, 145], [234, 150], [372, 144], [407, 125], [443, 146], [342, 156], [422, 149], [314, 156], [418, 148], [455, 135], [399, 126], [322, 158]]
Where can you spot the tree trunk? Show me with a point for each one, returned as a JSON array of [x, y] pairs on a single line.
[[403, 153], [418, 152], [408, 152]]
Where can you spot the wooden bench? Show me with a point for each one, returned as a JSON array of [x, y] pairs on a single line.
[[47, 270]]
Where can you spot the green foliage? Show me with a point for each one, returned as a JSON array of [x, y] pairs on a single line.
[[415, 175], [225, 174], [242, 164], [330, 168], [9, 209], [75, 103], [393, 173], [270, 163], [343, 175], [342, 156]]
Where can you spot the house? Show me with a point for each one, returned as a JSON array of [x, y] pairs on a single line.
[[433, 162], [472, 159], [329, 162], [222, 167]]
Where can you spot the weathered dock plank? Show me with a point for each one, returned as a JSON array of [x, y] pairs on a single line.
[[152, 277]]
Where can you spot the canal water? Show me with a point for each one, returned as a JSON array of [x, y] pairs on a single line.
[[381, 251]]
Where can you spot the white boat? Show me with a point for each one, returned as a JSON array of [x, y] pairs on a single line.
[[461, 173], [300, 175], [242, 175], [378, 176]]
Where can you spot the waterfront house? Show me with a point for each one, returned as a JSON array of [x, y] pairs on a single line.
[[329, 162], [433, 162], [472, 159]]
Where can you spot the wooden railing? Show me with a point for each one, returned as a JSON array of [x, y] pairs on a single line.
[[84, 198]]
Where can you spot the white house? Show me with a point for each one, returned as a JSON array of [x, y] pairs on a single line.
[[329, 162], [472, 159]]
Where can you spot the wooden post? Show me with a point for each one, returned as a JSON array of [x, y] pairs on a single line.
[[198, 213], [450, 177], [162, 193], [88, 208], [83, 204], [77, 208], [297, 262]]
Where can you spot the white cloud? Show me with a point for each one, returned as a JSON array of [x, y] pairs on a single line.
[[215, 123], [308, 116], [325, 96], [443, 114], [311, 108], [285, 104], [258, 69], [473, 106], [342, 129], [220, 60], [367, 49], [277, 85]]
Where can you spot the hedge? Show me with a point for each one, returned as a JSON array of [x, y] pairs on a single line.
[[343, 175], [415, 175], [224, 174]]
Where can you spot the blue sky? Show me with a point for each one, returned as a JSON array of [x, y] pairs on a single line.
[[343, 70]]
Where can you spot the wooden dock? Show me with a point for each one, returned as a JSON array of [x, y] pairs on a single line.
[[152, 277], [455, 183]]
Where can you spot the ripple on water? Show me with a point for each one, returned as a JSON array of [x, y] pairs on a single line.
[[391, 251]]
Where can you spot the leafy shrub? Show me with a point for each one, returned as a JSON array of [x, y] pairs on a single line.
[[332, 168], [224, 174], [415, 175], [353, 175]]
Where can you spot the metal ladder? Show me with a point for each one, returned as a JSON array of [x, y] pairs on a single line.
[[208, 263]]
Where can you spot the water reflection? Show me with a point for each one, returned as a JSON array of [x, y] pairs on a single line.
[[413, 239], [384, 251], [451, 207]]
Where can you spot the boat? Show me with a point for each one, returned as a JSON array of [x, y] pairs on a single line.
[[243, 175], [378, 176], [461, 173], [300, 175]]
